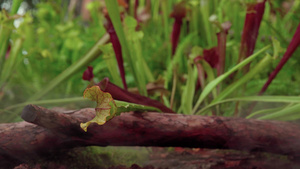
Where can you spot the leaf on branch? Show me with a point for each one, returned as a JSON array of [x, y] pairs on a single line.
[[105, 109]]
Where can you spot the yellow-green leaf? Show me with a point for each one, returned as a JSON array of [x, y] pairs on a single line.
[[106, 107]]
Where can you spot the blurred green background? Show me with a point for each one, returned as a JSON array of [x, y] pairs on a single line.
[[51, 42]]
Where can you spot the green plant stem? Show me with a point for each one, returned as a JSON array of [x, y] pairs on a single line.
[[165, 20], [173, 88], [286, 114], [205, 18], [155, 9], [15, 6], [275, 99], [136, 54], [246, 78], [264, 112], [46, 102], [111, 62], [189, 89], [210, 75], [120, 104], [5, 30], [11, 62], [176, 61]]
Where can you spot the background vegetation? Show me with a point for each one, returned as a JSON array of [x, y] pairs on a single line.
[[187, 54], [47, 45]]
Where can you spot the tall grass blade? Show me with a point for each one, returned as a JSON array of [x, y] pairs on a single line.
[[47, 102], [111, 63], [178, 56], [247, 77], [189, 90], [11, 62], [218, 80], [275, 99], [5, 29], [286, 114], [264, 112]]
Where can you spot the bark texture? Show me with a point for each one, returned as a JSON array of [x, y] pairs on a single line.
[[46, 131]]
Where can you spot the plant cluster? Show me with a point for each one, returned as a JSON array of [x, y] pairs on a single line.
[[195, 57]]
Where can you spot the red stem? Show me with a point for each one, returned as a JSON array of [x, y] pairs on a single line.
[[175, 34], [117, 49], [294, 44], [250, 31]]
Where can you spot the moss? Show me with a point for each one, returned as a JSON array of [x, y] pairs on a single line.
[[94, 157]]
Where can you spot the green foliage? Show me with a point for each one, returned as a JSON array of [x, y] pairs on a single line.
[[189, 90], [114, 15], [218, 80], [43, 47], [52, 46], [105, 157], [95, 157]]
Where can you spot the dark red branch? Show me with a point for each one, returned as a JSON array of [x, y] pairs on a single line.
[[120, 94]]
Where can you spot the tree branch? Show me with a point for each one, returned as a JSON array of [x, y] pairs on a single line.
[[52, 131]]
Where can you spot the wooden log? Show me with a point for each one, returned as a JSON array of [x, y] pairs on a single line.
[[52, 131]]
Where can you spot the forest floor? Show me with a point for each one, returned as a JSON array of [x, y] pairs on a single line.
[[160, 158]]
